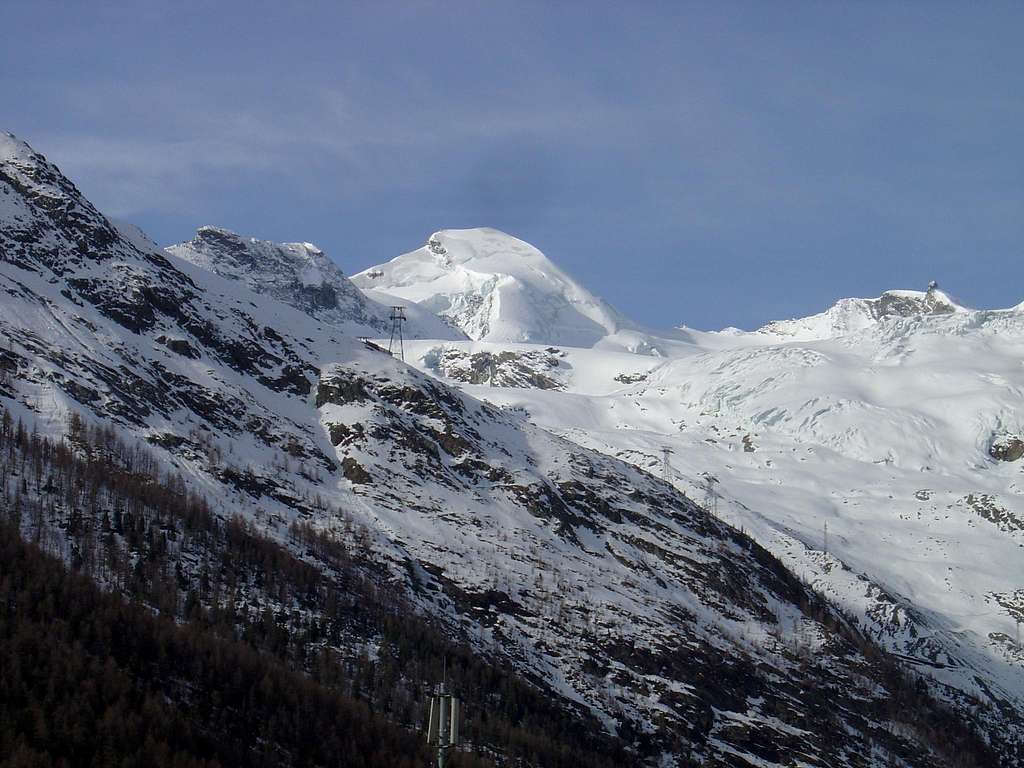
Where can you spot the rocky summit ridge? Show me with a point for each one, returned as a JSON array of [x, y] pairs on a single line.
[[303, 276]]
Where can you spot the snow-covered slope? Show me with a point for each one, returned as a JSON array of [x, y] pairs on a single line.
[[852, 315], [302, 275], [495, 288], [880, 458], [604, 585]]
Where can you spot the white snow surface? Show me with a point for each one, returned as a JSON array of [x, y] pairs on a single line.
[[872, 420], [495, 288], [851, 315]]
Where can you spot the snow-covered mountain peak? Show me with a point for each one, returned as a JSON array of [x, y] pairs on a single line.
[[47, 225], [908, 303], [32, 174], [16, 152], [13, 149], [496, 287], [299, 274], [848, 316], [28, 172], [228, 254]]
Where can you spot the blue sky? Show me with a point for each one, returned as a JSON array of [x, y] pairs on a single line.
[[710, 164]]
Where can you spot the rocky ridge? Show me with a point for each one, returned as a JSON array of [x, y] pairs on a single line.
[[303, 276], [851, 315]]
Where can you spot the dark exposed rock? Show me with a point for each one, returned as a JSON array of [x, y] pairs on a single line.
[[338, 433], [292, 379], [166, 440], [340, 392], [316, 297], [179, 347], [128, 309], [631, 378], [354, 471], [450, 442], [986, 506], [83, 394], [428, 400], [894, 303], [522, 370], [248, 481], [1007, 448], [226, 243]]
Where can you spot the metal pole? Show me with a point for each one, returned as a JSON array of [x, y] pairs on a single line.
[[443, 730]]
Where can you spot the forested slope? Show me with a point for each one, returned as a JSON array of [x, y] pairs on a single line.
[[214, 644]]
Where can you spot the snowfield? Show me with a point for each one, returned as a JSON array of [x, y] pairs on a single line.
[[871, 425], [496, 288]]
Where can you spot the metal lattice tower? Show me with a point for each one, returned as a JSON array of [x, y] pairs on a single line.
[[666, 467], [711, 494], [397, 318]]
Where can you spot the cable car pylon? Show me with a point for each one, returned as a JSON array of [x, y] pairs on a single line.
[[443, 724], [397, 318]]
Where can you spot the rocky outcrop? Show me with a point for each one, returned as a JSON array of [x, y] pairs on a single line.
[[354, 471], [532, 369], [299, 274], [1006, 448]]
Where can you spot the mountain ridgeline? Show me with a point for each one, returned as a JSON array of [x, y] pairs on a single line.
[[197, 445]]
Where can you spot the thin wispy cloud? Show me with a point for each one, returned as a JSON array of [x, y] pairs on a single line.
[[850, 149], [176, 142]]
